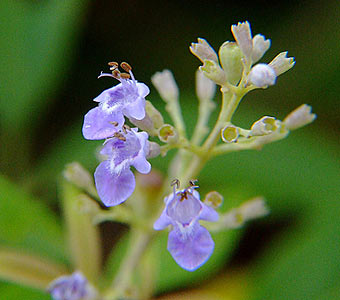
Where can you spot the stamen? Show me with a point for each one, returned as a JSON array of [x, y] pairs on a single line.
[[119, 136], [113, 64], [176, 183], [114, 123], [126, 67], [125, 75], [127, 127], [116, 74], [104, 75], [193, 184], [184, 195]]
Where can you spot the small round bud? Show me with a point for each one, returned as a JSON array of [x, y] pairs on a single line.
[[205, 88], [213, 199], [167, 134], [262, 75], [229, 134], [166, 85], [264, 126]]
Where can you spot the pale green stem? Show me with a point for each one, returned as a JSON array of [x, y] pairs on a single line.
[[204, 111], [255, 143], [230, 102], [139, 241], [174, 110]]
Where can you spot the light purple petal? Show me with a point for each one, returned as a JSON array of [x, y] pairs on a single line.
[[135, 109], [113, 189], [97, 124], [109, 93], [142, 165], [208, 214], [143, 89], [192, 252], [162, 222]]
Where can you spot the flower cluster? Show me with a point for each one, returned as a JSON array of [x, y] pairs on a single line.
[[233, 64], [124, 147]]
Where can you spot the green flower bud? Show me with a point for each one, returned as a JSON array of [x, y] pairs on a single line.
[[264, 126], [168, 134], [213, 199], [229, 134], [152, 120], [154, 115], [230, 58], [213, 71]]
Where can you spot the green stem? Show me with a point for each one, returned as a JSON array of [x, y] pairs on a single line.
[[139, 241]]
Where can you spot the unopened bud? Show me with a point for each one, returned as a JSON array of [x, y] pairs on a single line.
[[205, 88], [230, 134], [152, 120], [231, 61], [281, 63], [260, 46], [166, 85], [154, 115], [203, 51], [78, 175], [262, 75], [254, 208], [264, 126], [213, 199], [154, 150], [213, 71], [242, 35], [168, 134], [299, 117]]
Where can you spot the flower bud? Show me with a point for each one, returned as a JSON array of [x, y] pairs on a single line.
[[281, 63], [78, 175], [168, 134], [154, 150], [213, 199], [299, 117], [262, 75], [254, 208], [212, 70], [203, 51], [230, 58], [230, 134], [154, 115], [152, 120], [260, 46], [264, 126], [242, 35], [166, 85], [205, 88]]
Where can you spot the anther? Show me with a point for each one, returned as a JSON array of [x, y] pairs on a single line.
[[126, 67], [125, 75], [192, 183], [116, 74], [114, 123], [113, 64], [176, 183]]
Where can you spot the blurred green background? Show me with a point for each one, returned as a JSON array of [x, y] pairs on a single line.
[[51, 53]]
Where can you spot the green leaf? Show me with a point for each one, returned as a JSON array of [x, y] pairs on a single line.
[[27, 269], [28, 224], [35, 50], [10, 291]]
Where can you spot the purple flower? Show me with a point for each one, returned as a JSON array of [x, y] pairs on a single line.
[[125, 99], [114, 180], [189, 243], [72, 287]]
